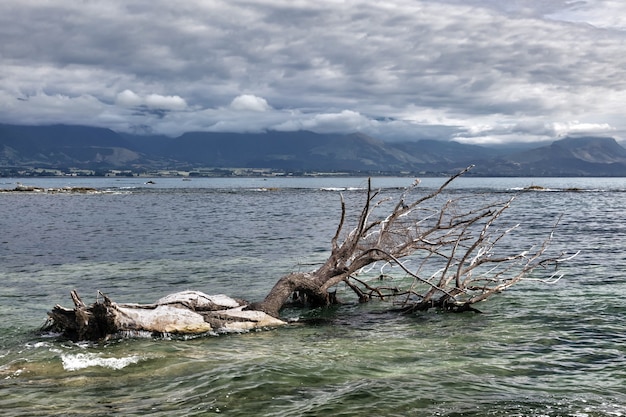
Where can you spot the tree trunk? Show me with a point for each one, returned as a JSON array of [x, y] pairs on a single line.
[[302, 288], [184, 313]]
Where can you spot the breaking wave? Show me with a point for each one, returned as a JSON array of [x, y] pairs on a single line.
[[75, 362]]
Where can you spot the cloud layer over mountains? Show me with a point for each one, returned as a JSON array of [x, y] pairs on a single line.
[[477, 71]]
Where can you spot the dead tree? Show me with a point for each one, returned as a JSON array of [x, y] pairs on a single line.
[[444, 250]]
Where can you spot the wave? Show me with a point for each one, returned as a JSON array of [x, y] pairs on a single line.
[[342, 189], [538, 188], [75, 362]]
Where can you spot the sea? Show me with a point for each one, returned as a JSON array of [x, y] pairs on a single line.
[[541, 348]]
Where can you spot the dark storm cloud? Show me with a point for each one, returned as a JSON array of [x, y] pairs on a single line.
[[479, 70]]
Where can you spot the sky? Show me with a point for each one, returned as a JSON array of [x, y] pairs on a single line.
[[473, 71]]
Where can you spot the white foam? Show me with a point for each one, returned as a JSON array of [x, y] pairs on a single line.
[[37, 345], [74, 362], [342, 188]]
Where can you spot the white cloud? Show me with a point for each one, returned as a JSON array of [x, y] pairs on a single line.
[[249, 102], [42, 108], [610, 14], [128, 98], [343, 121], [158, 101], [578, 128]]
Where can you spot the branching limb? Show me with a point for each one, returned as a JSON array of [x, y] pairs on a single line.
[[457, 246]]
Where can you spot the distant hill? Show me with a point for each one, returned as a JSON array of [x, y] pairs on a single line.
[[288, 150], [62, 146], [582, 156]]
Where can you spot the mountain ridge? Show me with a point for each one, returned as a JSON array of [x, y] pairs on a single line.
[[85, 147]]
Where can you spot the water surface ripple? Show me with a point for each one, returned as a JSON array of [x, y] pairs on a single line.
[[538, 350]]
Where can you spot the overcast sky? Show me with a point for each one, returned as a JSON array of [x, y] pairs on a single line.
[[475, 71]]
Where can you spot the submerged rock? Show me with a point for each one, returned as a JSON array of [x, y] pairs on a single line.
[[34, 189]]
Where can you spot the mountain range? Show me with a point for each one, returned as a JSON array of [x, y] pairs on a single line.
[[83, 147]]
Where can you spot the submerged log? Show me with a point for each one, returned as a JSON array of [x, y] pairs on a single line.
[[183, 313]]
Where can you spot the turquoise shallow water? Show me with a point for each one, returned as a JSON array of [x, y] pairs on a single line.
[[541, 350]]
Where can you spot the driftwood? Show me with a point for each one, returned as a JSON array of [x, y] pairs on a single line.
[[444, 252], [183, 313]]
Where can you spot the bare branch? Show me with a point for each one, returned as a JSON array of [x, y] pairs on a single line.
[[341, 222]]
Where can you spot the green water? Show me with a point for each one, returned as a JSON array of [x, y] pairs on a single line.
[[359, 361]]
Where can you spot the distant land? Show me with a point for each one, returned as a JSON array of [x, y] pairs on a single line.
[[84, 150]]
